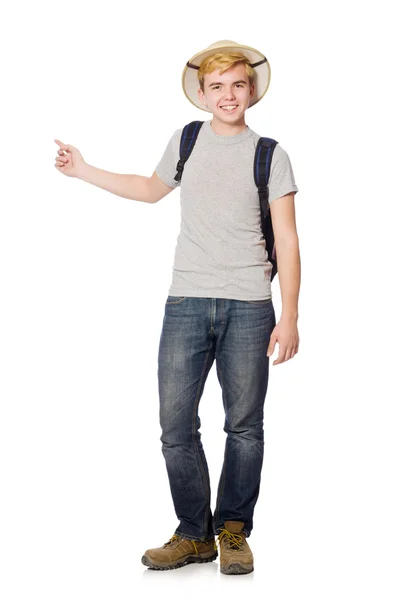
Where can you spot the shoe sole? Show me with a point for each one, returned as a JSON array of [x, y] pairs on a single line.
[[177, 564], [236, 569]]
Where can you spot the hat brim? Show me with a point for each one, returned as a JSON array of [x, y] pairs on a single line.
[[190, 83]]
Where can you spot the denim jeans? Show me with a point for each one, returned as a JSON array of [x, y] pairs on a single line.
[[236, 333]]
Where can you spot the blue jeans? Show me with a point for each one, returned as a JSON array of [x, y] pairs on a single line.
[[236, 333]]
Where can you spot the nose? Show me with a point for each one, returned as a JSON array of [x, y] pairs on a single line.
[[229, 96]]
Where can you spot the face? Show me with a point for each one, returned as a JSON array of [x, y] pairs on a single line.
[[230, 88]]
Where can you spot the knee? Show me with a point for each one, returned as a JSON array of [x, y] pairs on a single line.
[[246, 432]]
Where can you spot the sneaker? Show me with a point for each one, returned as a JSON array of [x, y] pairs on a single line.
[[178, 552], [236, 556]]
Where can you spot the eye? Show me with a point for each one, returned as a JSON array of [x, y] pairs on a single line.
[[215, 87]]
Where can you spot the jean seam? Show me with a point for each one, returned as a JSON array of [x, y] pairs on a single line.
[[177, 301], [223, 476], [194, 437]]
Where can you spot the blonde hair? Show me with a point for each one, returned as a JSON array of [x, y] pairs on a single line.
[[223, 61]]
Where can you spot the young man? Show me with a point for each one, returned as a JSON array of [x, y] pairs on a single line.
[[219, 305]]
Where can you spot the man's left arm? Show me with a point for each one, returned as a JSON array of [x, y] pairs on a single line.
[[286, 241]]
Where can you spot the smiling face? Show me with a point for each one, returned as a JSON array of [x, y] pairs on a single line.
[[229, 89]]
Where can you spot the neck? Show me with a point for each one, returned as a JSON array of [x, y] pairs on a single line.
[[221, 128]]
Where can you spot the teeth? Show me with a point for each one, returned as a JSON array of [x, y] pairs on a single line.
[[229, 108]]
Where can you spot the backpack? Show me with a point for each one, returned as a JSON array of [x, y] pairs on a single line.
[[261, 169]]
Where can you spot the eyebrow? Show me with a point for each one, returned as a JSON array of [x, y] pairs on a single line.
[[220, 83]]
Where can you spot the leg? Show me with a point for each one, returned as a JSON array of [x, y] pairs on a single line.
[[185, 358], [242, 369]]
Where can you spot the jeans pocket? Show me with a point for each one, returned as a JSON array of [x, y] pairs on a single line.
[[175, 299]]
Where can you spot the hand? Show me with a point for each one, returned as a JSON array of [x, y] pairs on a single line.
[[286, 334], [70, 162]]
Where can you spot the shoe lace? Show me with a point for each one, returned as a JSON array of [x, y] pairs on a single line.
[[176, 539], [171, 542], [234, 539]]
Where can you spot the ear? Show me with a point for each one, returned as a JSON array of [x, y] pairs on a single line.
[[201, 97]]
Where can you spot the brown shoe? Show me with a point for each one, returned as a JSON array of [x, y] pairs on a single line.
[[178, 552], [236, 555]]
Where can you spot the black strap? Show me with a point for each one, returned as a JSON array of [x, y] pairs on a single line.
[[188, 139], [262, 163]]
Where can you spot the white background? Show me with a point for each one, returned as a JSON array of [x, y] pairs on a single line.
[[85, 274]]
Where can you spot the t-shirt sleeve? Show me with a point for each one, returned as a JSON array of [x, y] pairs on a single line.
[[166, 168], [281, 178]]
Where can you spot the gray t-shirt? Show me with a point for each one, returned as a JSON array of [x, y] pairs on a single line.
[[220, 250]]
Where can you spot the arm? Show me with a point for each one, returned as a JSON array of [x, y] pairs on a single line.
[[157, 188], [136, 187], [133, 187], [286, 241]]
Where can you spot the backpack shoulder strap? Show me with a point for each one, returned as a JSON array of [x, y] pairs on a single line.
[[188, 139], [262, 163]]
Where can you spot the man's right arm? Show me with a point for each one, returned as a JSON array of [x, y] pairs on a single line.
[[133, 187]]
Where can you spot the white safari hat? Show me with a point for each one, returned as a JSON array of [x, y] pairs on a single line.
[[257, 60]]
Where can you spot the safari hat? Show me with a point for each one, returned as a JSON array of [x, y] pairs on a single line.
[[258, 61]]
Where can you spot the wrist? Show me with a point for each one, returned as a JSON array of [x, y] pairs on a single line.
[[289, 316], [83, 172]]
